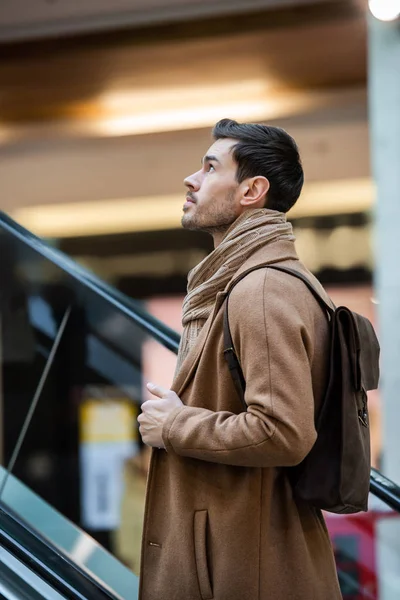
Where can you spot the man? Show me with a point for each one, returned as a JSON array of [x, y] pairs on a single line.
[[221, 521]]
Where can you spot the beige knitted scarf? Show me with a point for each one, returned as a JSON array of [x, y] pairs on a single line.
[[252, 230]]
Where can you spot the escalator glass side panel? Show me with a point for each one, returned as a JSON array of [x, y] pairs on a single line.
[[47, 561], [81, 279], [75, 544], [81, 453]]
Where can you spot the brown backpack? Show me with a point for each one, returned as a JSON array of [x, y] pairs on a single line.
[[335, 474]]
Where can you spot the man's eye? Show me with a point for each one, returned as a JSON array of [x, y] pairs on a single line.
[[210, 166]]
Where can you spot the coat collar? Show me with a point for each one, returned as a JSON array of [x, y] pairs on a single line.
[[279, 251], [191, 361]]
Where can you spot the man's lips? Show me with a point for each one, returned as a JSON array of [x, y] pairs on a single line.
[[190, 199]]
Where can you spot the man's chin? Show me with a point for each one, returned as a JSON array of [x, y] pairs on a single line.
[[188, 223]]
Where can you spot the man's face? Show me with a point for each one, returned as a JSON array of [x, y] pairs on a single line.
[[213, 199]]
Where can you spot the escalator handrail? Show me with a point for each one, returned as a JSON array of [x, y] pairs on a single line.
[[380, 486], [161, 332], [48, 561], [385, 489]]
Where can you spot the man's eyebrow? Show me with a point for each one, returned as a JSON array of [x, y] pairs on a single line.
[[210, 158]]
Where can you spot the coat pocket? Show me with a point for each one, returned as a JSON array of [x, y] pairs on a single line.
[[200, 549]]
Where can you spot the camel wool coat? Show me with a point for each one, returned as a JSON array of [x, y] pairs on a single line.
[[220, 520]]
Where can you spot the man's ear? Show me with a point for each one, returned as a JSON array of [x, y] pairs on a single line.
[[254, 192]]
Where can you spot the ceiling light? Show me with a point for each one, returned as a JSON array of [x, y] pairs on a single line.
[[147, 111], [189, 118], [200, 116], [385, 10]]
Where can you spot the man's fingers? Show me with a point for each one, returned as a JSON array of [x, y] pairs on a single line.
[[147, 405], [157, 390]]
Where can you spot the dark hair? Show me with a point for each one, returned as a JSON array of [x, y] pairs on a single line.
[[267, 151]]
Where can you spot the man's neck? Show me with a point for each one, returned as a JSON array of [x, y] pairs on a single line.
[[218, 237]]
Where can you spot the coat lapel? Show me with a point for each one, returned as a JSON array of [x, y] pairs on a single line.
[[192, 359]]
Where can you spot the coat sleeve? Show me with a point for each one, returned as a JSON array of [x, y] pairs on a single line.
[[272, 328]]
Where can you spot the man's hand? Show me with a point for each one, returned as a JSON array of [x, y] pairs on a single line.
[[154, 414]]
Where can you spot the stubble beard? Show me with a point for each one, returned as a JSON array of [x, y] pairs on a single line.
[[213, 220]]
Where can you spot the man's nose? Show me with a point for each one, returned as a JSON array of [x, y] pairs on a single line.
[[193, 182]]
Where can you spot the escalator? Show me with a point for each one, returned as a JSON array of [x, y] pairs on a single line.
[[74, 353]]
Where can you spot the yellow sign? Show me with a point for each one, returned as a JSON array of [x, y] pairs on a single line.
[[108, 420]]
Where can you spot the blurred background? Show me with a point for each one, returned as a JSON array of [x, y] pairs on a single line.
[[105, 107]]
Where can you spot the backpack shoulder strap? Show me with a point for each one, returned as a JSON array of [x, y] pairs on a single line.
[[229, 350]]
